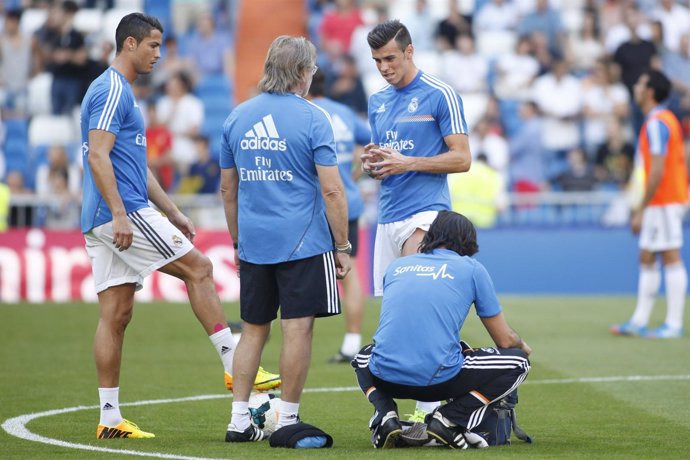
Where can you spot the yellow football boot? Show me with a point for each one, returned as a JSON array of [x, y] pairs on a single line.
[[125, 429]]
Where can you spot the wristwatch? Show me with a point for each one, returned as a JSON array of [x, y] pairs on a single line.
[[347, 249]]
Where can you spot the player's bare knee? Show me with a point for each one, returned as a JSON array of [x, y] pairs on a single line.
[[201, 270]]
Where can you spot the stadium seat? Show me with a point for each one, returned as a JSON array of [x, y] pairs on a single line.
[[88, 21], [372, 82], [111, 19], [32, 20], [51, 130], [494, 43], [39, 94], [137, 5], [474, 106], [428, 61]]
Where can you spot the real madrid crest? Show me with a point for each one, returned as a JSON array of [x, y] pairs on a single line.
[[413, 105], [177, 241]]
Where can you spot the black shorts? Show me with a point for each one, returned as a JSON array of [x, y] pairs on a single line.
[[305, 287], [353, 235]]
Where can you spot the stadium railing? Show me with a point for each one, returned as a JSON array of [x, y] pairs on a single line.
[[603, 208]]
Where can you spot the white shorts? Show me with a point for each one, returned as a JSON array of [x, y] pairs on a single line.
[[662, 228], [156, 243], [390, 239]]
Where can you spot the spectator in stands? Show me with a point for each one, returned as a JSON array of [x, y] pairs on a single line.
[[97, 62], [45, 35], [21, 215], [210, 50], [171, 63], [586, 47], [561, 131], [15, 66], [183, 113], [657, 38], [347, 88], [603, 98], [634, 56], [496, 15], [480, 193], [484, 141], [516, 71], [185, 13], [619, 33], [579, 177], [58, 160], [676, 22], [338, 25], [542, 53], [527, 152], [546, 20], [64, 210], [452, 26], [204, 174], [159, 149], [455, 63], [677, 67], [422, 26], [614, 158], [359, 49], [66, 61]]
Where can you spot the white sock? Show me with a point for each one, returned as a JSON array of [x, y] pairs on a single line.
[[110, 406], [352, 343], [225, 346], [427, 407], [676, 278], [240, 415], [287, 412], [647, 289]]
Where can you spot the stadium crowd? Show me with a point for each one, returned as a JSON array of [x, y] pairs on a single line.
[[546, 86]]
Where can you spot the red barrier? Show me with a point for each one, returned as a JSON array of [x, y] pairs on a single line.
[[41, 266]]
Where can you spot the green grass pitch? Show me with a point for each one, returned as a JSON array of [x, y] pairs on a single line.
[[576, 402]]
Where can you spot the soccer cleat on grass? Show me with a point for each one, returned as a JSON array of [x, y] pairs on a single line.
[[340, 358], [264, 381], [451, 436], [125, 429], [628, 329], [414, 433], [251, 434], [385, 435], [664, 332]]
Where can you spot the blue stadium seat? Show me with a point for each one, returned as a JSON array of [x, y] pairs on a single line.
[[510, 116]]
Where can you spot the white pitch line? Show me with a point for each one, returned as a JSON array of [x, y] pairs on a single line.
[[16, 426]]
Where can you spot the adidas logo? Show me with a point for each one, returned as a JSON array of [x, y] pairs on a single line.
[[225, 349], [263, 136], [381, 109], [108, 406]]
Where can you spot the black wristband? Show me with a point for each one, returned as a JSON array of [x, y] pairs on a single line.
[[235, 245]]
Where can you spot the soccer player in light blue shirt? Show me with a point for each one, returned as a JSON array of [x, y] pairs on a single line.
[[351, 134], [126, 238], [428, 296], [286, 210], [419, 135]]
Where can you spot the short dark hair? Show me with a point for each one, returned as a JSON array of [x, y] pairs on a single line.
[[387, 31], [69, 6], [15, 14], [136, 25], [452, 231], [659, 83], [318, 84]]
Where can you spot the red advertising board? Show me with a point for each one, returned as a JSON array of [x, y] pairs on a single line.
[[52, 266]]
